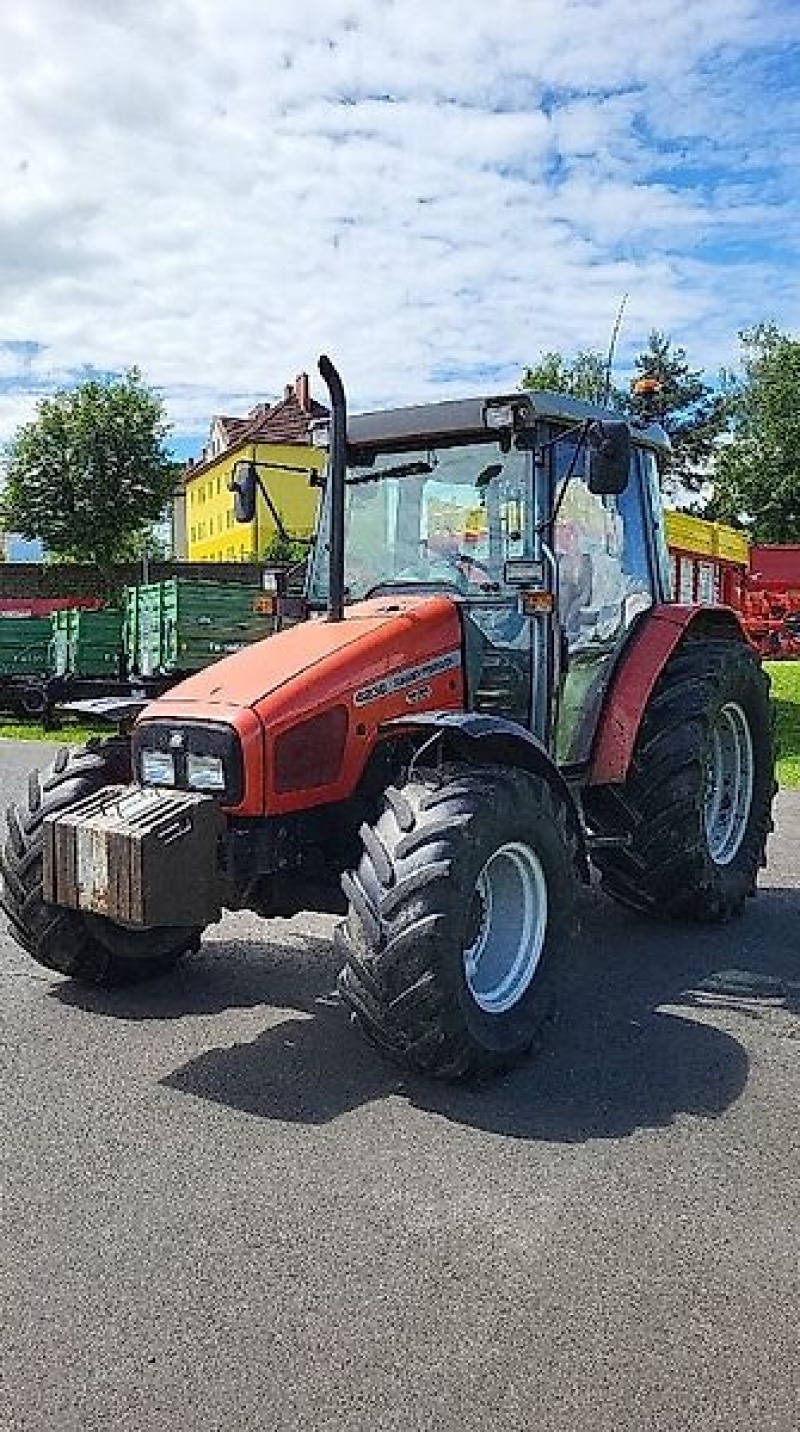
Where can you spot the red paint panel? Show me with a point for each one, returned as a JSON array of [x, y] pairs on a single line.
[[634, 679], [311, 754], [777, 566]]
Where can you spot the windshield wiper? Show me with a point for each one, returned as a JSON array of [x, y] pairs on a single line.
[[402, 469]]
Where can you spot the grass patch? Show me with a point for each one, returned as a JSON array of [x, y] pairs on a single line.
[[72, 732], [785, 677]]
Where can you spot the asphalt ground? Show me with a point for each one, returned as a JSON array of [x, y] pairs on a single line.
[[221, 1211]]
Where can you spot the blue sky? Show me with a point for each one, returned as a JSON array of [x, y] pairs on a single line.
[[434, 194]]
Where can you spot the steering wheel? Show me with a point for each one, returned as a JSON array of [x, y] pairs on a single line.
[[473, 561], [468, 560], [452, 561], [401, 587]]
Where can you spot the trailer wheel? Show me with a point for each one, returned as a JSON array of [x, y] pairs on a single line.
[[463, 901], [696, 806], [89, 948], [31, 701]]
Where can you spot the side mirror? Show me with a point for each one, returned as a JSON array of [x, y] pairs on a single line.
[[609, 456], [243, 487]]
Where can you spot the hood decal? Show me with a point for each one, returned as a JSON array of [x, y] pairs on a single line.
[[407, 676]]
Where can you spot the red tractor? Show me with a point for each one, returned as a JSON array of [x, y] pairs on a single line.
[[491, 693]]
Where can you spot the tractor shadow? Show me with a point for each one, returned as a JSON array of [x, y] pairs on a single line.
[[284, 970], [637, 1041]]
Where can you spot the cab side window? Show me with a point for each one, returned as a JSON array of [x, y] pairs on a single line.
[[603, 555], [605, 582]]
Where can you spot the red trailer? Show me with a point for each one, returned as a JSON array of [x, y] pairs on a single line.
[[43, 606], [771, 605]]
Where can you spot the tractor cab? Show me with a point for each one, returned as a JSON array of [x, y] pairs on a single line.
[[536, 513]]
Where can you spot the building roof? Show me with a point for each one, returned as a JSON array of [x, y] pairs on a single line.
[[284, 423], [231, 426]]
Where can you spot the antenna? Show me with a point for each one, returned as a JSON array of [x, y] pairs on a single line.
[[612, 348]]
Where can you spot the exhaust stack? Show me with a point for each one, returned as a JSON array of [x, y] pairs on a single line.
[[336, 473]]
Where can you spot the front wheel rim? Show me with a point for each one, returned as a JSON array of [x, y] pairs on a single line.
[[507, 923], [730, 779]]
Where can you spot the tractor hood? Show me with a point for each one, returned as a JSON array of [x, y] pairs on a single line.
[[373, 639], [321, 684]]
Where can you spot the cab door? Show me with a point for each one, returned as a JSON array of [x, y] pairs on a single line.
[[499, 639], [606, 580]]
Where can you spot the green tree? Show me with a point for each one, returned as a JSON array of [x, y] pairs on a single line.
[[583, 376], [757, 474], [91, 472], [691, 410], [284, 550]]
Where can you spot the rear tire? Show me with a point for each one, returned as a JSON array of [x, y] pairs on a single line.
[[462, 903], [90, 948], [696, 806]]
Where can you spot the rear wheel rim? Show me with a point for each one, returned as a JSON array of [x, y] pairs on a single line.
[[730, 779], [507, 923]]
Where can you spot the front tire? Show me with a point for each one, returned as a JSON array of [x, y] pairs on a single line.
[[463, 901], [696, 805], [89, 948]]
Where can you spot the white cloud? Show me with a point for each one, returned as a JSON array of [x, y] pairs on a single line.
[[218, 193]]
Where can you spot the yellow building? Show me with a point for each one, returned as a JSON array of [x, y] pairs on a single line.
[[275, 435]]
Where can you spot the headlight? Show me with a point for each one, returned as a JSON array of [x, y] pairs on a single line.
[[190, 755], [158, 768], [204, 773]]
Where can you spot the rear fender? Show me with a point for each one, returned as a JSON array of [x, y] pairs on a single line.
[[476, 738], [656, 638]]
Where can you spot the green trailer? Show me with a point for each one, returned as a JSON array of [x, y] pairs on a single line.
[[181, 626], [24, 646], [25, 655], [87, 642]]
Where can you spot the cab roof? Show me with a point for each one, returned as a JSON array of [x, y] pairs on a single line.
[[464, 417]]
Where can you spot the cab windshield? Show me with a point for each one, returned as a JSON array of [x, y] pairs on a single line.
[[446, 518]]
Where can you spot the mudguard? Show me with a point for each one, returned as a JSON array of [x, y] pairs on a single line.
[[636, 673], [477, 736]]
